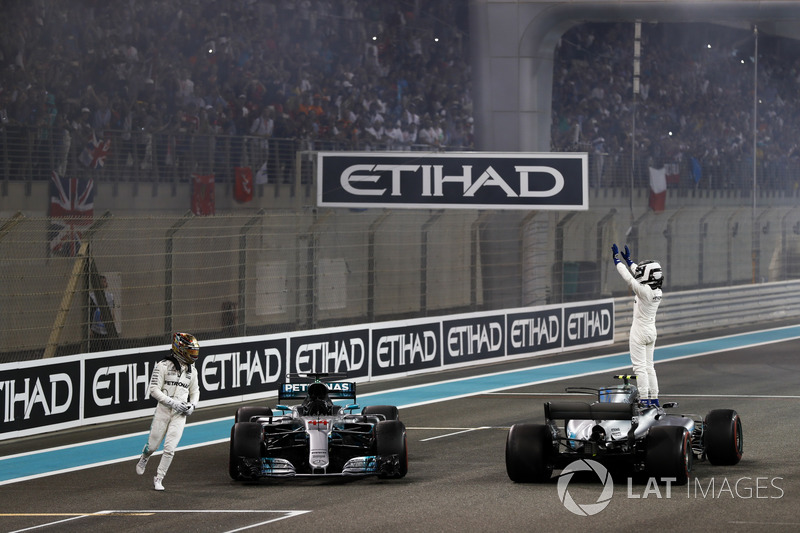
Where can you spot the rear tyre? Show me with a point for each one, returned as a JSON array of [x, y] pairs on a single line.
[[389, 412], [669, 454], [245, 443], [723, 437], [390, 439], [244, 414], [529, 452]]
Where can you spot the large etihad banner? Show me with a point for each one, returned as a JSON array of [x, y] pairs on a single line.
[[63, 392], [453, 180]]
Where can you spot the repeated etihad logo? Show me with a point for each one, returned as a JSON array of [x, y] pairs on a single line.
[[471, 180]]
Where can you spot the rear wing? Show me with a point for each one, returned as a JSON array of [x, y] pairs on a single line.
[[586, 411], [337, 390]]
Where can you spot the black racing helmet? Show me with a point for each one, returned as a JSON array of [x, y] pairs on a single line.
[[318, 403]]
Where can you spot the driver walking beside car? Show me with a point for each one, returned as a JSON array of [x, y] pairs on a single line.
[[645, 280], [174, 385]]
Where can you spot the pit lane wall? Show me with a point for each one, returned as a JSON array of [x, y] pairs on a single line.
[[48, 395]]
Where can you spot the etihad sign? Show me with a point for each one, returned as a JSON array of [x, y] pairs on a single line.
[[472, 180]]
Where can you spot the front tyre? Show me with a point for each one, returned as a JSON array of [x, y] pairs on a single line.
[[245, 444], [529, 450], [390, 439], [723, 437]]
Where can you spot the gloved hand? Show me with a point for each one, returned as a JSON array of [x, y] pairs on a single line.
[[626, 255], [615, 249], [176, 405], [189, 408]]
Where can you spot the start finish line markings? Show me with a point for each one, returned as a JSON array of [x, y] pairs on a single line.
[[76, 516]]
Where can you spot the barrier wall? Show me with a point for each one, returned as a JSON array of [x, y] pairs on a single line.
[[64, 392]]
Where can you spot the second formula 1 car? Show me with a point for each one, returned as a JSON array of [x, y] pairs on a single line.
[[616, 431], [317, 437]]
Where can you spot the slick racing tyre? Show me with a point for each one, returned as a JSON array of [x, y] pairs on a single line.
[[390, 439], [245, 443], [722, 434], [244, 414], [529, 451], [669, 454], [389, 412]]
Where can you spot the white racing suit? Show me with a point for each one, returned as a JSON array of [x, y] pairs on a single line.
[[178, 381], [642, 339]]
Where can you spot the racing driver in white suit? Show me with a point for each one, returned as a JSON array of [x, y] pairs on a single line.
[[174, 385], [645, 281]]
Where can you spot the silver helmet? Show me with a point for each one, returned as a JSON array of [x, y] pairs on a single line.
[[649, 273]]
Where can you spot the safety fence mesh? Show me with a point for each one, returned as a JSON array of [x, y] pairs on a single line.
[[138, 278]]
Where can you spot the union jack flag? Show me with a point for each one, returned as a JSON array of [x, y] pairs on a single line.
[[71, 213], [95, 153]]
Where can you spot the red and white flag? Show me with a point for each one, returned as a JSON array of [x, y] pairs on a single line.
[[203, 194], [243, 189], [658, 188]]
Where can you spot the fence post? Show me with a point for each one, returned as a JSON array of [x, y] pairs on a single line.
[[168, 252], [241, 321]]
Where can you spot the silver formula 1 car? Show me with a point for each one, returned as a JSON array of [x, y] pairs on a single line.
[[317, 437], [617, 432]]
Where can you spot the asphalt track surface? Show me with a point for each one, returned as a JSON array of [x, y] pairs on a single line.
[[457, 479]]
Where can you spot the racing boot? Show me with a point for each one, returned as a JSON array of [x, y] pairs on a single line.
[[141, 465], [157, 483]]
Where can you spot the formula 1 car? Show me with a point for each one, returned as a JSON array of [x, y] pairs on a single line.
[[618, 432], [316, 437]]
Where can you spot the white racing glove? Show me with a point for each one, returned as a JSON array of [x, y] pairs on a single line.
[[180, 407], [189, 408]]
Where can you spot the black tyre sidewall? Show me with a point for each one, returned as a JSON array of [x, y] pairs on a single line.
[[529, 449], [245, 442], [669, 454], [723, 437], [390, 439]]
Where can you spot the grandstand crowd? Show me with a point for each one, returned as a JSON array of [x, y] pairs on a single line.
[[695, 108], [361, 74], [157, 75]]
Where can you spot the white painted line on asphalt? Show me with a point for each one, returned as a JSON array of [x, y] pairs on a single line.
[[456, 433], [75, 516]]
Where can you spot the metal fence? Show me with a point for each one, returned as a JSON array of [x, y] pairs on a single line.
[[29, 154], [249, 271], [227, 276]]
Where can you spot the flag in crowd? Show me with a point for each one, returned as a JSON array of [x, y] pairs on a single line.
[[95, 153], [658, 188], [71, 213], [697, 170], [243, 190], [203, 194], [673, 174], [261, 176]]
